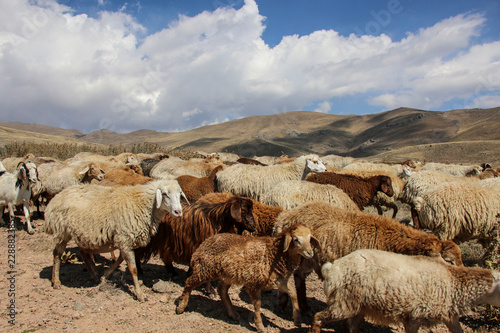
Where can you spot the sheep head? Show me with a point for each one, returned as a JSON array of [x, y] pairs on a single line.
[[493, 296], [386, 185], [242, 213], [28, 171], [451, 253], [92, 171], [168, 197], [314, 164], [299, 240]]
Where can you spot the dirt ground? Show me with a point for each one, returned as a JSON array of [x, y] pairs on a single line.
[[82, 305]]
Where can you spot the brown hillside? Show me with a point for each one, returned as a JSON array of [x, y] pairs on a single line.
[[431, 135]]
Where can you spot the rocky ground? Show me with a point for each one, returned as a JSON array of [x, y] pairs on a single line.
[[81, 305]]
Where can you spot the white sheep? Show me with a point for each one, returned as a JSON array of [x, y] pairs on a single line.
[[289, 194], [56, 176], [399, 170], [460, 211], [101, 219], [171, 168], [258, 263], [15, 189], [335, 161], [392, 288], [453, 169], [254, 180]]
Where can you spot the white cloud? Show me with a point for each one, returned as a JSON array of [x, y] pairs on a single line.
[[106, 72], [324, 107]]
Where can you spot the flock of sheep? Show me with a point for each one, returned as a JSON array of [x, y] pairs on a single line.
[[269, 222]]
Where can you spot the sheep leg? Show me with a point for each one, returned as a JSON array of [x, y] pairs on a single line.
[[414, 218], [58, 252], [300, 286], [110, 270], [288, 287], [12, 216], [193, 281], [222, 290], [26, 211], [129, 257], [324, 317], [353, 324], [88, 260], [454, 325], [255, 296]]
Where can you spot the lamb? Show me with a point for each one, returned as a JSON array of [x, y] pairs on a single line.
[[101, 219], [341, 232], [381, 199], [454, 169], [258, 263], [178, 238], [265, 215], [361, 190], [393, 288], [57, 176], [196, 187], [289, 194], [253, 181], [174, 167], [461, 211], [15, 189]]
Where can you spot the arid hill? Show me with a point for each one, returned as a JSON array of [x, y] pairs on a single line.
[[465, 136]]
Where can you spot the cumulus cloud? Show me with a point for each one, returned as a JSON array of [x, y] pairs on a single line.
[[108, 72]]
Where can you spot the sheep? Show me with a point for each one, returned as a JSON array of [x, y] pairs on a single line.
[[271, 160], [392, 288], [174, 167], [148, 164], [335, 161], [246, 160], [15, 189], [11, 163], [381, 199], [101, 219], [341, 232], [289, 194], [401, 171], [122, 158], [265, 215], [253, 181], [461, 211], [57, 176], [178, 238], [258, 263], [196, 187], [159, 156], [124, 175], [361, 190], [226, 157], [453, 169]]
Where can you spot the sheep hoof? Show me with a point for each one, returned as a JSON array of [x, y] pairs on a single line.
[[31, 231], [57, 286], [297, 323]]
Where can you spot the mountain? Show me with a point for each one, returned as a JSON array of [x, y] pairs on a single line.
[[466, 135]]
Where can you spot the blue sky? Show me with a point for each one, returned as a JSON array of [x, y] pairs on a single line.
[[177, 65]]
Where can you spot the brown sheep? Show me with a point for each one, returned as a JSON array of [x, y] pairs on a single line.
[[196, 187], [360, 190], [178, 238], [130, 174], [258, 263], [246, 160], [341, 232], [265, 216]]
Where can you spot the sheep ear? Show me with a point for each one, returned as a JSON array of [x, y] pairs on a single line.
[[384, 187], [84, 170], [185, 198], [102, 171], [315, 243], [288, 240], [159, 198], [236, 211]]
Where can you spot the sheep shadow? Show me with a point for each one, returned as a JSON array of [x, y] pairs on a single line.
[[213, 308]]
